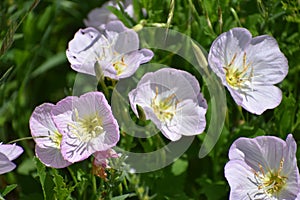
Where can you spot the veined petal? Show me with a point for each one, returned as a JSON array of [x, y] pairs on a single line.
[[171, 99], [42, 125], [269, 67], [115, 51], [141, 96], [249, 67], [127, 42], [87, 125], [225, 47], [190, 119], [5, 164], [263, 97], [47, 137], [86, 48], [182, 83], [241, 181], [272, 163], [11, 151], [133, 60], [125, 65], [51, 157]]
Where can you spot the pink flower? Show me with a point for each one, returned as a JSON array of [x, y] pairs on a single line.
[[87, 125], [171, 99], [8, 152], [249, 68], [264, 167], [47, 137]]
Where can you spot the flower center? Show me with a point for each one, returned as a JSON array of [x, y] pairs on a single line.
[[56, 139], [120, 66], [236, 77], [271, 182], [88, 127], [164, 108]]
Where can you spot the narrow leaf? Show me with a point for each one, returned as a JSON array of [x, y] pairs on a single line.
[[8, 189]]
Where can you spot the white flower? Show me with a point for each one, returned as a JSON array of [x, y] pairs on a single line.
[[249, 68]]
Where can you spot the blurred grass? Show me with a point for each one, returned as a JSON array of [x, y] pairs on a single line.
[[33, 69]]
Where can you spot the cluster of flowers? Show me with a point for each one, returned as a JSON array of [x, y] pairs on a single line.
[[77, 127]]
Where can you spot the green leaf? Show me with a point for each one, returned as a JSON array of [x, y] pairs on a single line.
[[8, 189], [124, 196], [26, 167], [214, 190], [62, 190], [46, 183], [45, 18], [285, 114], [179, 167], [5, 75], [49, 64]]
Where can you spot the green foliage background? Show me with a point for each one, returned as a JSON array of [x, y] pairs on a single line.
[[33, 69]]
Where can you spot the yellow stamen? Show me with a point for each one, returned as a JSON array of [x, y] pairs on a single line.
[[234, 76], [164, 109], [271, 182]]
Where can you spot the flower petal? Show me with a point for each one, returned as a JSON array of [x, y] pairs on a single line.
[[262, 97], [225, 47], [269, 67], [171, 99], [190, 120], [87, 46], [240, 178], [11, 151], [51, 157], [42, 125], [73, 117], [5, 164]]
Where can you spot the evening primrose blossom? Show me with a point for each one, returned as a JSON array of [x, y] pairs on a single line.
[[8, 152], [249, 68], [263, 168], [46, 137], [87, 125], [99, 17], [115, 53], [171, 98]]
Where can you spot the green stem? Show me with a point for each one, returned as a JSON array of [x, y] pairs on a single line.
[[104, 87], [21, 139], [94, 184], [72, 175]]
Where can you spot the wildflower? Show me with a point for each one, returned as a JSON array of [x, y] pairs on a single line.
[[101, 157], [47, 137], [87, 125], [101, 162], [115, 51], [263, 168], [249, 68], [171, 98], [8, 152], [99, 17]]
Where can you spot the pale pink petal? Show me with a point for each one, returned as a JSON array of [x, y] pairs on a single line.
[[5, 164], [51, 157], [11, 151]]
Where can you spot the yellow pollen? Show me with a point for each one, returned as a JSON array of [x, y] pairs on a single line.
[[234, 76], [88, 127], [56, 139], [164, 109], [271, 182], [119, 66]]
